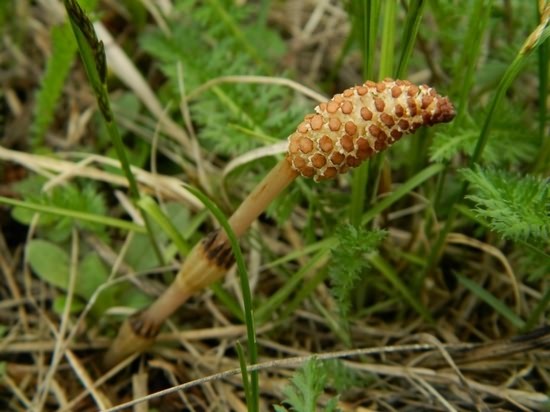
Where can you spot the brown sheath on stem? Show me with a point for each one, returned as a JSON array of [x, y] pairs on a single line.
[[351, 127]]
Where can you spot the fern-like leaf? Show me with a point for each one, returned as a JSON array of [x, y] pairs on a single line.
[[516, 207], [59, 63], [307, 385], [348, 262]]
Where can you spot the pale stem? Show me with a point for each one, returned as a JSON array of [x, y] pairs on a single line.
[[256, 202]]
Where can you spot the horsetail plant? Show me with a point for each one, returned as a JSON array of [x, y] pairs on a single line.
[[342, 133]]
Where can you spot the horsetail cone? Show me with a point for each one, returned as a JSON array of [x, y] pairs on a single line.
[[360, 122]]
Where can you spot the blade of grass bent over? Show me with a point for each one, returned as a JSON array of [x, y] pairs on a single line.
[[152, 209], [245, 289]]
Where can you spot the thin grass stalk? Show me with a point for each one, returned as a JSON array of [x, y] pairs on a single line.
[[412, 24], [94, 60], [498, 305], [465, 68], [245, 290], [401, 191], [292, 285], [387, 52], [542, 163], [534, 40], [251, 402], [227, 300], [75, 214], [307, 288], [147, 204], [413, 19], [366, 28]]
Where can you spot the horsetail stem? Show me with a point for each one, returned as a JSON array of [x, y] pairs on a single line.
[[343, 132]]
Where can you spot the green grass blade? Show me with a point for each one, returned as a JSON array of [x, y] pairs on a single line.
[[152, 209], [246, 377], [305, 290], [491, 300], [412, 24], [230, 303], [467, 64], [358, 193], [306, 250], [366, 26], [542, 164], [387, 51], [385, 269], [58, 211], [401, 191], [245, 289]]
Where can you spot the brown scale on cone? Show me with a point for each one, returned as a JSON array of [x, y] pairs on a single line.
[[360, 122]]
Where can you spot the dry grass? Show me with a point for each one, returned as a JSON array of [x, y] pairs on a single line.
[[467, 360]]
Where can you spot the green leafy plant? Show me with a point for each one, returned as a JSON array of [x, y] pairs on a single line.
[[349, 261], [85, 199], [517, 207], [209, 40], [307, 385], [51, 263]]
